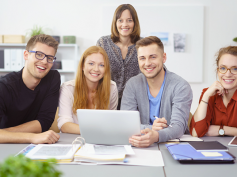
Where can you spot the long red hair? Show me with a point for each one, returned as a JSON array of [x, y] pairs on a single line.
[[102, 95]]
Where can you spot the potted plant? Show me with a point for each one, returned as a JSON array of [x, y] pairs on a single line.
[[21, 166], [235, 39], [36, 30]]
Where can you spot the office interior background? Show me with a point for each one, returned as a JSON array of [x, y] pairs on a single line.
[[83, 19]]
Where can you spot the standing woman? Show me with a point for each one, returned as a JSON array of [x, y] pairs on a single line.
[[92, 89], [216, 114], [120, 46]]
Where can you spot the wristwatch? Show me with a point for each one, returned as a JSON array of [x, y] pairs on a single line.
[[221, 131]]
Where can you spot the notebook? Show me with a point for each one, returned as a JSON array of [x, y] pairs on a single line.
[[186, 138], [109, 127], [185, 153], [233, 142], [208, 146]]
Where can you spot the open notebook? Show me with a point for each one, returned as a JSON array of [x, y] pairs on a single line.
[[63, 153]]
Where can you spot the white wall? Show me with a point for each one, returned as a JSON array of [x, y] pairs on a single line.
[[83, 19]]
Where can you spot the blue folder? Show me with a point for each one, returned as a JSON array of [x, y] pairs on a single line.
[[185, 153]]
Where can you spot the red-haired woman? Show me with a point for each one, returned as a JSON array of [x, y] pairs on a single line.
[[120, 46], [92, 89], [217, 110]]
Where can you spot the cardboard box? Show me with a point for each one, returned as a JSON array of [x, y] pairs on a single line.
[[57, 38], [1, 38], [13, 39], [69, 39]]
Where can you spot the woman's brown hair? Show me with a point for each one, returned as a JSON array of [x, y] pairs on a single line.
[[135, 35], [102, 95]]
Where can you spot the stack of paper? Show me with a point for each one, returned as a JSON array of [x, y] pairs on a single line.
[[103, 154]]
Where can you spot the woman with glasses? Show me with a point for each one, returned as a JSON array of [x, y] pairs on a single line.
[[92, 89], [217, 110], [120, 46]]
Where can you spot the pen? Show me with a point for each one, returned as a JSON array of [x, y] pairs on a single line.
[[158, 118]]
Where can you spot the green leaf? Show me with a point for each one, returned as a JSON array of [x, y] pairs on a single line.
[[22, 166]]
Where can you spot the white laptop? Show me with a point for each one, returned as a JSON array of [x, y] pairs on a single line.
[[110, 127]]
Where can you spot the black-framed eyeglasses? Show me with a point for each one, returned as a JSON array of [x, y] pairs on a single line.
[[40, 56], [224, 69]]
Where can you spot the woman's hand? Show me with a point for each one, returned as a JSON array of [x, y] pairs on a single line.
[[216, 87]]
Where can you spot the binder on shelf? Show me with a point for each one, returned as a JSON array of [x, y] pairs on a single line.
[[185, 153], [7, 58], [16, 59], [23, 60], [1, 59], [13, 59], [19, 56]]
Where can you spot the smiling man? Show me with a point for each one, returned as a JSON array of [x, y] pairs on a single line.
[[162, 97], [29, 98]]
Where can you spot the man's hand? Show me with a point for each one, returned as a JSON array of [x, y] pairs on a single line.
[[149, 137], [159, 124], [49, 137], [213, 130]]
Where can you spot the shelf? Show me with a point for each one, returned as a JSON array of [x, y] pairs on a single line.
[[65, 71], [12, 45], [59, 70], [4, 70], [24, 44]]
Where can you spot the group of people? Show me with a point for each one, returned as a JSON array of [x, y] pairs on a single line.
[[123, 71]]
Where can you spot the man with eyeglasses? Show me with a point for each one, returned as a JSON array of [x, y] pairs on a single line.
[[162, 97], [29, 98]]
